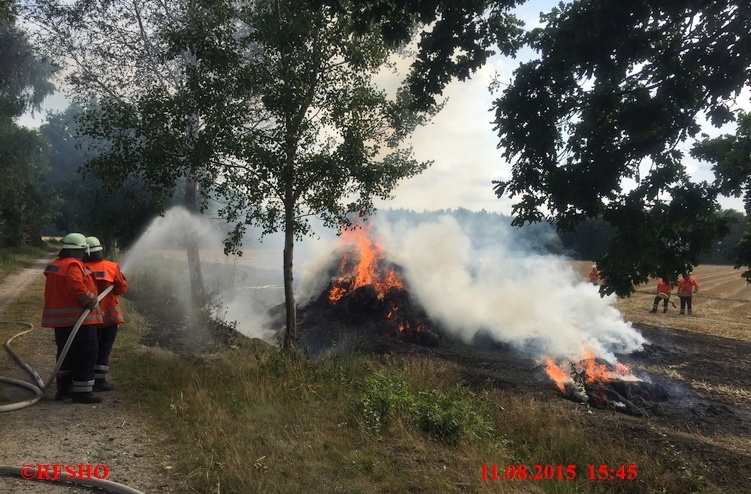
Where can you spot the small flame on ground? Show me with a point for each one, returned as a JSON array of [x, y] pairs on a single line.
[[556, 374], [590, 369]]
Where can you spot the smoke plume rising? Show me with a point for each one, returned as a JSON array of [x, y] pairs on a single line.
[[536, 302]]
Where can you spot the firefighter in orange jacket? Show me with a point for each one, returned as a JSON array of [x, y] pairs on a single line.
[[663, 293], [594, 275], [69, 290], [105, 273], [687, 286]]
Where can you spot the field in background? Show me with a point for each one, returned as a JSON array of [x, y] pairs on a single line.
[[721, 308]]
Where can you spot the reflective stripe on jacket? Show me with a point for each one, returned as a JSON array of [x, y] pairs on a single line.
[[69, 287], [108, 273]]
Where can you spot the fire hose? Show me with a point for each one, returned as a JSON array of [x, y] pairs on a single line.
[[38, 390]]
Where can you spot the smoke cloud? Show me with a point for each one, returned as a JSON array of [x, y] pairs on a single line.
[[497, 286], [240, 288], [494, 285]]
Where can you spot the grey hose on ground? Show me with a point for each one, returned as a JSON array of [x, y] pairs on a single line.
[[38, 391], [40, 387]]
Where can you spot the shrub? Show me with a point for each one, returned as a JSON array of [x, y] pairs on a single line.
[[444, 416]]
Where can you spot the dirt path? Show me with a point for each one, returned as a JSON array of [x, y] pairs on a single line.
[[50, 432], [14, 284]]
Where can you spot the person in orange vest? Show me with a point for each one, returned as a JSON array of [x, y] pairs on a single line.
[[105, 273], [594, 275], [687, 286], [663, 293], [68, 291]]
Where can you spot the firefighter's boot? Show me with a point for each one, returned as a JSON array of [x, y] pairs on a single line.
[[85, 397], [103, 385], [664, 310], [654, 310], [64, 384], [81, 392]]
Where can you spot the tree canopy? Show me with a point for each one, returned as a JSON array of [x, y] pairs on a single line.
[[276, 114], [595, 123], [24, 83]]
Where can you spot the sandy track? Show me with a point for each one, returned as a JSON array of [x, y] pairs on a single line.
[[49, 432]]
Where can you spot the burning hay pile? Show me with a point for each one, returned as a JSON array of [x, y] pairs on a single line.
[[602, 384], [366, 296]]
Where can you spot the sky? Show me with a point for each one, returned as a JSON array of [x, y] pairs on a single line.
[[462, 144]]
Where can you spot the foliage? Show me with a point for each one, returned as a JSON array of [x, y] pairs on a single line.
[[23, 85], [83, 204], [614, 91], [456, 38], [108, 47], [276, 116], [24, 77], [445, 415], [617, 87], [24, 203], [730, 155]]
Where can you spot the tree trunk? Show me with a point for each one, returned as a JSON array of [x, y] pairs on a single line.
[[290, 336], [198, 293]]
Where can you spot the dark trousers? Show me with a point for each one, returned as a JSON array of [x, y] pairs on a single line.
[[656, 303], [77, 370], [686, 304], [106, 338]]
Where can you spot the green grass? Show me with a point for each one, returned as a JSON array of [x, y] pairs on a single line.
[[14, 259], [255, 420]]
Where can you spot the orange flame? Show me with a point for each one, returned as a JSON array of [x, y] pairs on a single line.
[[556, 374], [600, 372], [590, 368], [369, 266]]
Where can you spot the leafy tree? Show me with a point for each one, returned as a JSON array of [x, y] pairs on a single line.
[[731, 156], [291, 124], [333, 139], [23, 86], [618, 86], [111, 49], [615, 89], [82, 203]]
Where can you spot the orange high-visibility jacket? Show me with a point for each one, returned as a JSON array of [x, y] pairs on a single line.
[[663, 289], [594, 275], [686, 287], [68, 288], [108, 273]]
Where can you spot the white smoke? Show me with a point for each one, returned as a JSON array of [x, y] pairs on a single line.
[[536, 302], [159, 258]]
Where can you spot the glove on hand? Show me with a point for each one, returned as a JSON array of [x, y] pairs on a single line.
[[91, 302]]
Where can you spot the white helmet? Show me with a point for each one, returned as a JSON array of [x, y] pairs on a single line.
[[94, 244], [75, 241]]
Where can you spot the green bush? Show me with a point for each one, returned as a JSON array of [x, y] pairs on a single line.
[[444, 416]]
